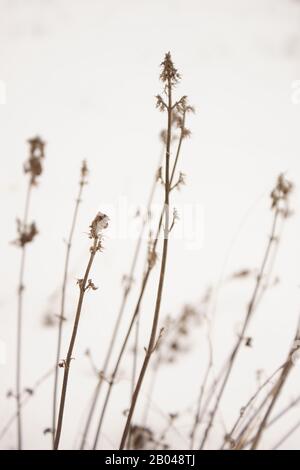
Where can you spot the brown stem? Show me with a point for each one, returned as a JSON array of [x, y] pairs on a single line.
[[126, 293], [62, 306], [248, 404], [286, 436], [137, 308], [21, 289], [113, 376], [276, 392], [152, 340], [201, 395], [67, 363], [250, 310], [272, 421], [25, 400]]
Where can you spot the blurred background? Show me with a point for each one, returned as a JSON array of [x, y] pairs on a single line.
[[83, 75]]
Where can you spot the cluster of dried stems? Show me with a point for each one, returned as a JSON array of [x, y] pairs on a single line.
[[166, 342]]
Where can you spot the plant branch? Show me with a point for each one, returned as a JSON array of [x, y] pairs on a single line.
[[82, 182]]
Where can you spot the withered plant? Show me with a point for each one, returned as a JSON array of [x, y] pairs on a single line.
[[27, 232], [61, 317], [169, 77], [97, 226], [176, 118], [280, 208]]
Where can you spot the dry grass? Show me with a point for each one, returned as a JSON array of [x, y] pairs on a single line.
[[168, 339]]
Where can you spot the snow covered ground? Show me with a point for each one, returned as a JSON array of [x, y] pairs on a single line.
[[83, 75]]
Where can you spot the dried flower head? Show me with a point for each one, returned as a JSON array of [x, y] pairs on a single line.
[[37, 147], [84, 173], [26, 233], [97, 226], [169, 73], [280, 194], [152, 255], [33, 165], [178, 331], [141, 437]]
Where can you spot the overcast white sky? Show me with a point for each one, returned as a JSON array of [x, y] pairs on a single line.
[[83, 75]]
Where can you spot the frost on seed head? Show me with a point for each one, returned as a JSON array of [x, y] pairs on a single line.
[[99, 224]]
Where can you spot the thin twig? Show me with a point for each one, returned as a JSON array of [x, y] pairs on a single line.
[[287, 435], [97, 225], [25, 400], [201, 393], [26, 234], [21, 289], [168, 75], [82, 182], [250, 310], [275, 395], [140, 298], [229, 437], [125, 296]]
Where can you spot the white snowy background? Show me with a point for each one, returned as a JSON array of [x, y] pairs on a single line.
[[83, 75]]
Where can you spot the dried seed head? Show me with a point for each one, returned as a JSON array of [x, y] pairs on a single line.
[[84, 173], [169, 73], [99, 223], [37, 146], [26, 233], [160, 104], [280, 193], [34, 163]]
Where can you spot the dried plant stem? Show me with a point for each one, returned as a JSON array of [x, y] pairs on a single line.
[[250, 310], [151, 391], [126, 293], [248, 404], [21, 289], [276, 392], [67, 363], [123, 347], [134, 365], [62, 305], [135, 354], [272, 421], [153, 339], [287, 435], [25, 400], [139, 301], [201, 393], [284, 411], [240, 441]]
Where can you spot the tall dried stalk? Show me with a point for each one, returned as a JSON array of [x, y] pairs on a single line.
[[276, 390], [99, 223], [180, 121], [201, 392], [30, 392], [240, 442], [169, 77], [26, 234], [61, 318], [127, 288], [121, 353], [279, 197], [229, 437]]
